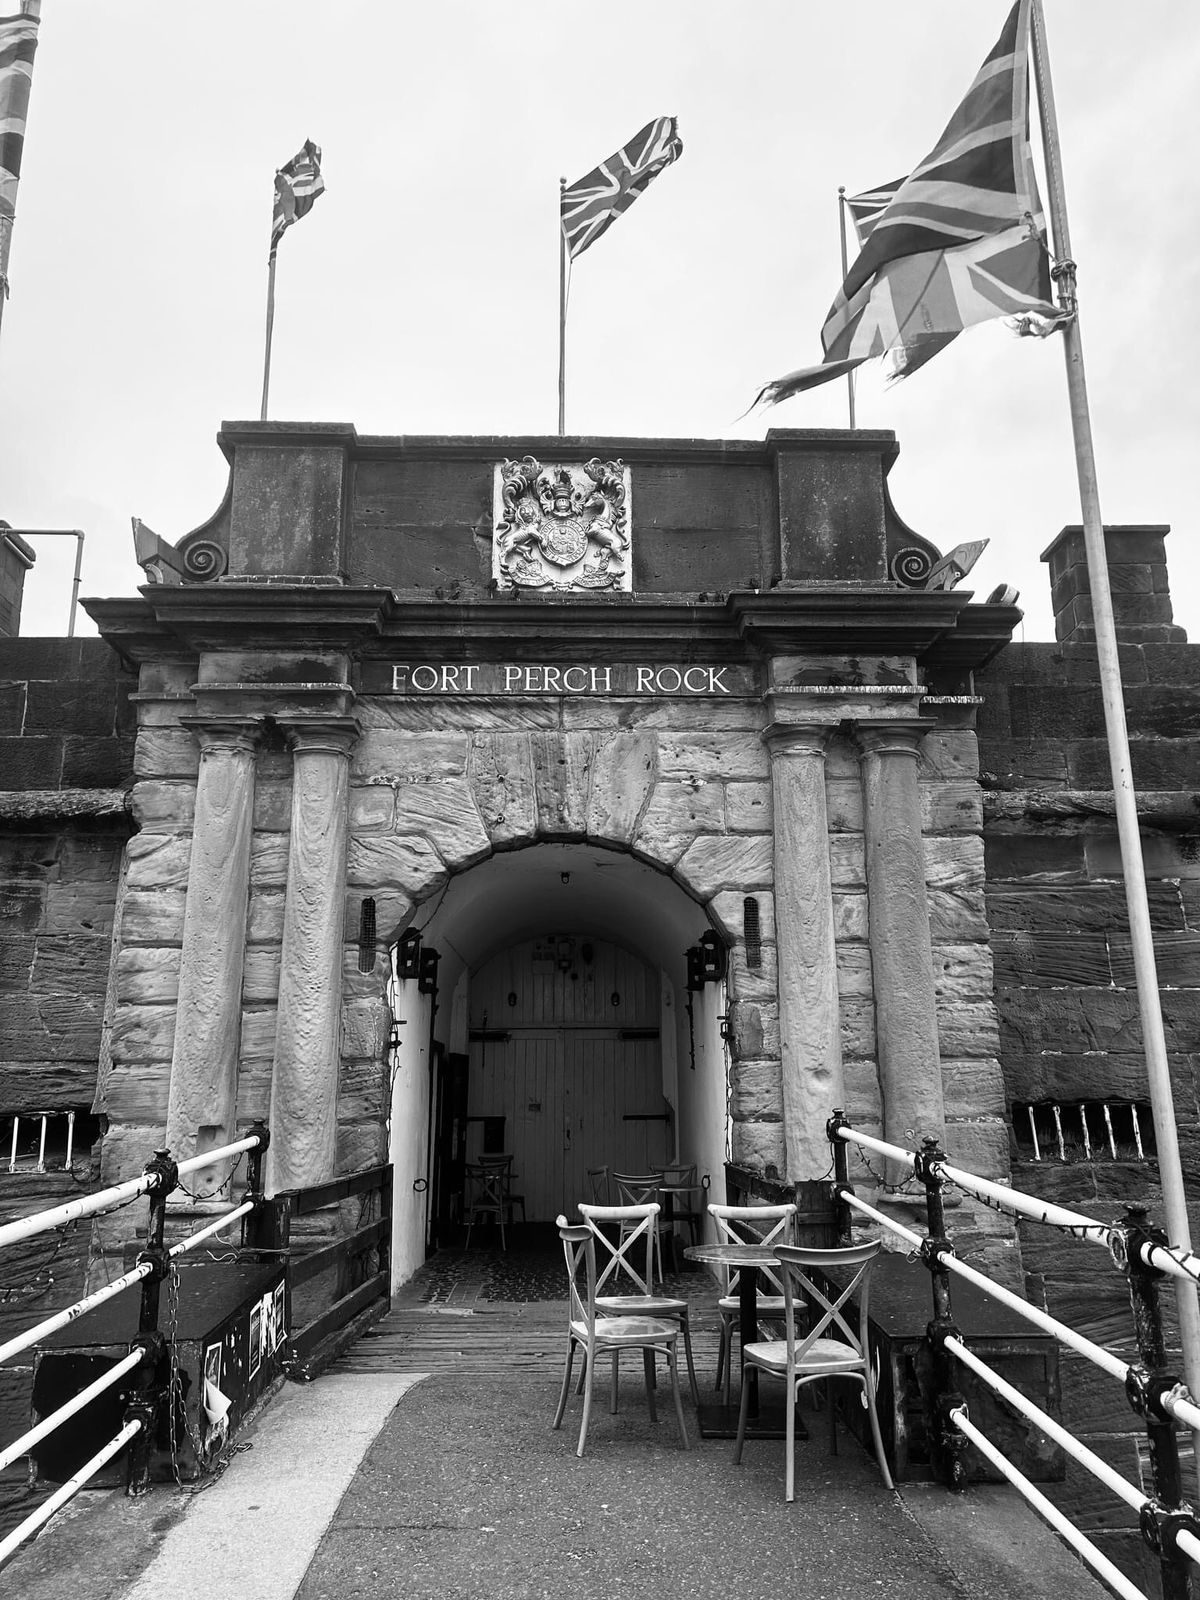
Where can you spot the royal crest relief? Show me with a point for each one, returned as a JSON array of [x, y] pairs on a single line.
[[561, 529]]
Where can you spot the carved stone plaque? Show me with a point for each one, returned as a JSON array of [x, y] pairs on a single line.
[[562, 528]]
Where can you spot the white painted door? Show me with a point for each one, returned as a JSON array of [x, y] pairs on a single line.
[[573, 1065]]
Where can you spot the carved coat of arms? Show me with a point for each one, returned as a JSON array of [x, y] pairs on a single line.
[[562, 528]]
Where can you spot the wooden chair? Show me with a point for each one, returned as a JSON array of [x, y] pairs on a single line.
[[682, 1208], [748, 1225], [598, 1335], [812, 1357], [485, 1198], [503, 1165], [598, 1182], [623, 1234], [641, 1189]]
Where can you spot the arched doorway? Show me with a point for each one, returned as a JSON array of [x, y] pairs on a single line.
[[533, 945]]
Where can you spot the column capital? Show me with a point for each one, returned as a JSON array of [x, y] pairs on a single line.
[[898, 737], [237, 735], [335, 736], [798, 738]]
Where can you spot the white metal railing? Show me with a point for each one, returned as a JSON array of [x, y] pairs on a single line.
[[157, 1181], [1124, 1244], [108, 1199], [38, 1519], [1062, 1525]]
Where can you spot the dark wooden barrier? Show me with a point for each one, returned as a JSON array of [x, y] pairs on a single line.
[[358, 1265]]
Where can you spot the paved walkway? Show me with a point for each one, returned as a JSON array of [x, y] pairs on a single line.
[[424, 1465]]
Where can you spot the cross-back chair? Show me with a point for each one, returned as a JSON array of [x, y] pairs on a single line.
[[598, 1182], [503, 1165], [625, 1245], [641, 1189], [748, 1225], [813, 1356], [687, 1206], [485, 1198], [598, 1334]]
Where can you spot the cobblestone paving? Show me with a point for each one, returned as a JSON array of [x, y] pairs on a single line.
[[530, 1269]]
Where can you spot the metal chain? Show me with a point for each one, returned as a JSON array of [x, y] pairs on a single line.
[[221, 1188], [175, 1393], [880, 1182]]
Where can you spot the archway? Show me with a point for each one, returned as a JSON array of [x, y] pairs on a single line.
[[518, 925]]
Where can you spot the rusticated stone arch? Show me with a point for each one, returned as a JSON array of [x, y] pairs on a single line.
[[428, 803]]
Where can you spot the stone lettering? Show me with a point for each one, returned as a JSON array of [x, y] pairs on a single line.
[[547, 678]]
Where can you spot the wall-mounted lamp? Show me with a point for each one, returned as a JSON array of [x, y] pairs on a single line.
[[408, 955], [427, 977], [726, 1028], [707, 962]]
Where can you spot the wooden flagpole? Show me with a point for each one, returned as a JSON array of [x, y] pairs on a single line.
[[562, 316], [270, 326], [1125, 798], [845, 271]]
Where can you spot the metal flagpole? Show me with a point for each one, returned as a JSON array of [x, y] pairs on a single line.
[[270, 325], [845, 271], [562, 316], [1145, 973]]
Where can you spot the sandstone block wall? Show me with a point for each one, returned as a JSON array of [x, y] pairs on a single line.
[[1069, 1025]]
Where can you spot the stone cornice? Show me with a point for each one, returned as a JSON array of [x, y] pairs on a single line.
[[853, 618], [941, 629], [550, 447]]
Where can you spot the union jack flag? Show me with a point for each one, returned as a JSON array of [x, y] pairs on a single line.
[[866, 209], [18, 41], [960, 240], [297, 185], [591, 204]]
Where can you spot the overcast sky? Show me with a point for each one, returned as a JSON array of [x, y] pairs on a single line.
[[420, 294]]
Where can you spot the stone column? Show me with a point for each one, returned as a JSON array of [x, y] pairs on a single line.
[[202, 1099], [304, 1077], [910, 1073], [810, 1043]]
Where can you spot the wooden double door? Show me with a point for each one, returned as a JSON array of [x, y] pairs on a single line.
[[574, 1071]]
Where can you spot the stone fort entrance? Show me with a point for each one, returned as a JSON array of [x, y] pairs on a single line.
[[539, 717]]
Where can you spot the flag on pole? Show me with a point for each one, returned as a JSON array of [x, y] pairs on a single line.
[[297, 185], [866, 209], [18, 41], [960, 240], [596, 201]]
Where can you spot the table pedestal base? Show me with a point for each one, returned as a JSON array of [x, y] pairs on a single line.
[[719, 1421]]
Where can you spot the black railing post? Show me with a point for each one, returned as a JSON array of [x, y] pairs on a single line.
[[935, 1369], [1148, 1382], [150, 1385], [842, 1219], [258, 1227]]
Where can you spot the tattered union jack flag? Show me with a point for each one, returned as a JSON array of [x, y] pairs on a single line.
[[960, 240], [591, 204], [297, 185], [18, 41]]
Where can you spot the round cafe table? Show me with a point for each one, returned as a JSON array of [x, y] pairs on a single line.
[[748, 1258]]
